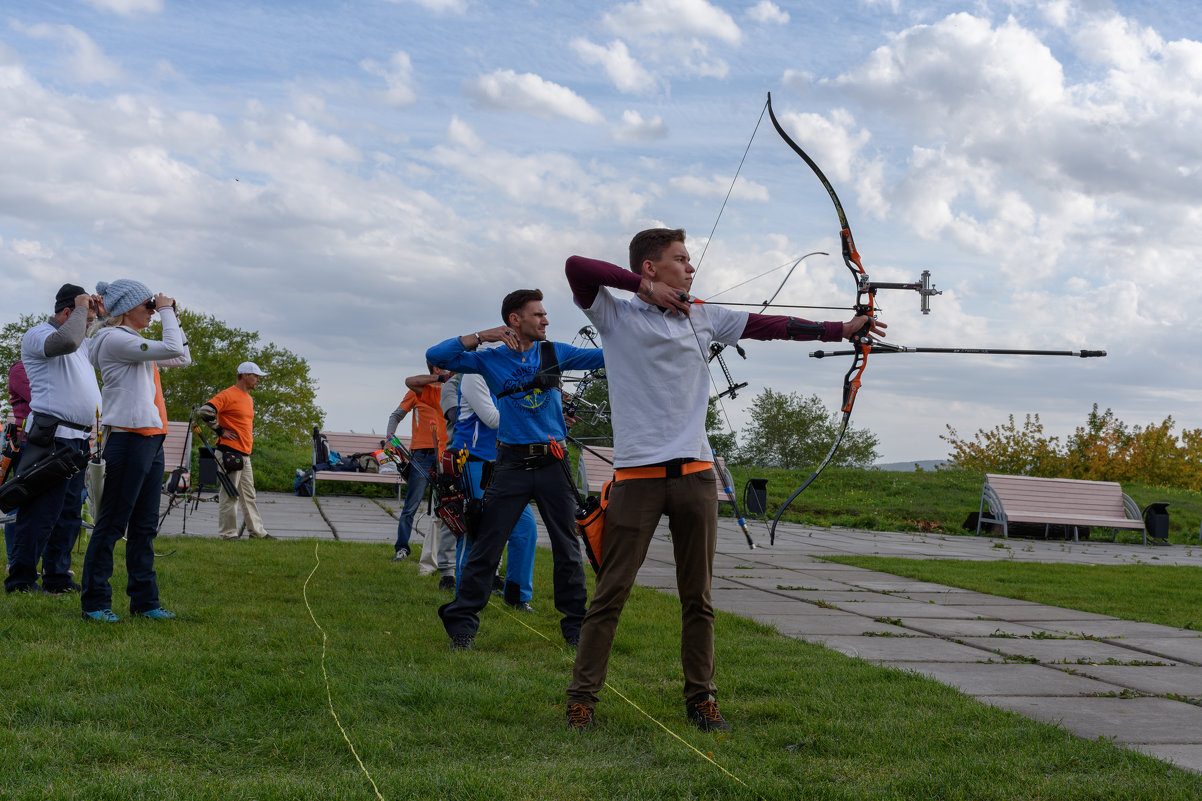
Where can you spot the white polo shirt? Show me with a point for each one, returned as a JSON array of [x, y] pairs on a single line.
[[657, 367], [63, 386]]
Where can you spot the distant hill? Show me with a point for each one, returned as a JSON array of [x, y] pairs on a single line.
[[904, 467]]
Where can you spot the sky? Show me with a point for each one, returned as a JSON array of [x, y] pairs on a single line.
[[356, 181]]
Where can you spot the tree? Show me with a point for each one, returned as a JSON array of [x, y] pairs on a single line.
[[789, 431], [286, 400], [721, 435], [1104, 449]]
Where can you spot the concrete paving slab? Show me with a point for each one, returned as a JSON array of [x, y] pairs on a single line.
[[780, 606], [1183, 649], [1181, 680], [1126, 720], [960, 628], [899, 649], [1187, 757], [903, 609], [1003, 679], [833, 623], [1068, 652], [1115, 629], [1030, 612]]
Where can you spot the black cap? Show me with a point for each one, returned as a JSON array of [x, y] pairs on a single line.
[[66, 296]]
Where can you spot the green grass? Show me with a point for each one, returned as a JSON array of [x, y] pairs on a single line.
[[229, 702], [1170, 595]]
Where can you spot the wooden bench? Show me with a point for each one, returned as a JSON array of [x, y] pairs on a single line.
[[1064, 502], [595, 467], [346, 443], [177, 446]]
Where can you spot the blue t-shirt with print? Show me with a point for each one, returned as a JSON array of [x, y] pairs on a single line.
[[530, 416]]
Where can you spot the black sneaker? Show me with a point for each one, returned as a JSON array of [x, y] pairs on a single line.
[[29, 589], [70, 586], [522, 606], [447, 583], [704, 714], [401, 553], [462, 642], [498, 585], [580, 717], [573, 640]]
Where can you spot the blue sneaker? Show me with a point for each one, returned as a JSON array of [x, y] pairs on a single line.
[[158, 614], [104, 616]]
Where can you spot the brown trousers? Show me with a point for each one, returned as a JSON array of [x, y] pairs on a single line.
[[635, 508]]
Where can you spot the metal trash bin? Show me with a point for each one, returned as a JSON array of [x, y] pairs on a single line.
[[1156, 522], [755, 496]]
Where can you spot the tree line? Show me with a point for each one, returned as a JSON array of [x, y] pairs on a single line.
[[1103, 449]]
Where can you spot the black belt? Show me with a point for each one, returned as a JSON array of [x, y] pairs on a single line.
[[529, 449], [65, 423]]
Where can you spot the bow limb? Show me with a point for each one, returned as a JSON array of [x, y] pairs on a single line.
[[865, 305]]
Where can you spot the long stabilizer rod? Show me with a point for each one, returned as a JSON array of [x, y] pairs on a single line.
[[881, 347]]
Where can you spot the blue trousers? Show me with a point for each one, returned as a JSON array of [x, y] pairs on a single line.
[[46, 528], [415, 489], [130, 509], [519, 568]]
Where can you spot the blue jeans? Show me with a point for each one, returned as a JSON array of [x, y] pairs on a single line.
[[46, 528], [129, 508], [415, 488], [519, 569]]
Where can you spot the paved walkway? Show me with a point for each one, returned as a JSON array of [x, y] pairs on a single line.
[[1097, 676]]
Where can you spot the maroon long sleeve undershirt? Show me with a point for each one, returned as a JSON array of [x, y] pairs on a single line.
[[585, 276]]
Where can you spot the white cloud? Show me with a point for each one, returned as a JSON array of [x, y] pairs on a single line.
[[550, 181], [718, 185], [397, 75], [439, 6], [766, 12], [626, 73], [528, 93], [128, 8], [87, 62], [635, 129], [830, 141], [656, 18]]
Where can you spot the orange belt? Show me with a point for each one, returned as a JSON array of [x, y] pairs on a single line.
[[661, 471]]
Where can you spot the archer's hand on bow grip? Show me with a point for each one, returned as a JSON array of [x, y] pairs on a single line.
[[862, 326]]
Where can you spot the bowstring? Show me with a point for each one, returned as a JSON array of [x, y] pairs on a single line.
[[705, 358]]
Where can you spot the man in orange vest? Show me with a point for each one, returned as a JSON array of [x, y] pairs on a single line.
[[231, 415]]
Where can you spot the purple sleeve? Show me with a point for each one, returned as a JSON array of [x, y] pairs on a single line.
[[18, 391], [776, 326], [586, 275]]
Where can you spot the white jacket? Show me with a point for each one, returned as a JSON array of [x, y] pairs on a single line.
[[126, 360]]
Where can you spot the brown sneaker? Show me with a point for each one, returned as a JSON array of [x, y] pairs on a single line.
[[580, 717], [705, 715]]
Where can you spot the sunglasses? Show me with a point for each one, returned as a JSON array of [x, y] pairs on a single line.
[[149, 306]]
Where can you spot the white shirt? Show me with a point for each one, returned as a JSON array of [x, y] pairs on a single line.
[[126, 362], [63, 386], [657, 367]]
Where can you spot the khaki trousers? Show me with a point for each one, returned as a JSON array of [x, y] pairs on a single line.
[[227, 509], [635, 508]]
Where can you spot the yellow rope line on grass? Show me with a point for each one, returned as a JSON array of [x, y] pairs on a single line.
[[330, 698], [644, 712]]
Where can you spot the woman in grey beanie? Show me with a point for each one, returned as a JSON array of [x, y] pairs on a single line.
[[135, 420]]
